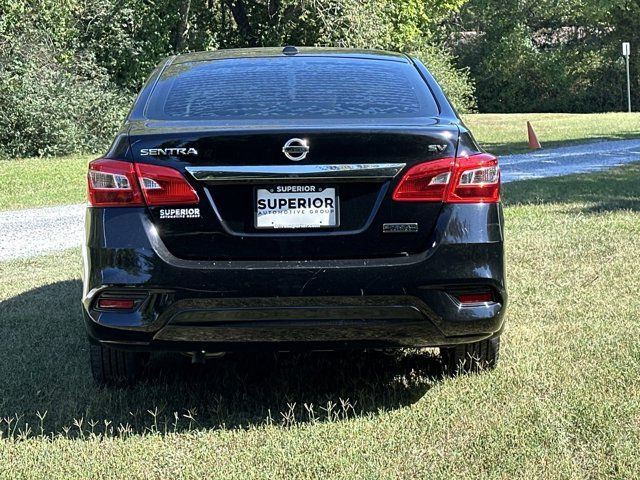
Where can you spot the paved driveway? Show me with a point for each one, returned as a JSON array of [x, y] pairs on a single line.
[[26, 233]]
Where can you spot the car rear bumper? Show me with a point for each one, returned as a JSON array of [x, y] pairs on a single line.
[[229, 305]]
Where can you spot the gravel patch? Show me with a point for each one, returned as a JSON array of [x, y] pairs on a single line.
[[34, 231], [588, 157], [31, 232]]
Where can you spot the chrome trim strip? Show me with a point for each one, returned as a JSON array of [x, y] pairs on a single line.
[[251, 173]]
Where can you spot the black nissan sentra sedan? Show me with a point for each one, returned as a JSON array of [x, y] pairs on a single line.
[[289, 199]]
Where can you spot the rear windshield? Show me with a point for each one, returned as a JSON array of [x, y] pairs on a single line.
[[290, 87]]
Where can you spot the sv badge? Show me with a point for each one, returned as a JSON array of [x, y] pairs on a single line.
[[437, 148]]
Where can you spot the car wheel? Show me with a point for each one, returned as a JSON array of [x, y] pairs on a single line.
[[471, 357], [115, 367]]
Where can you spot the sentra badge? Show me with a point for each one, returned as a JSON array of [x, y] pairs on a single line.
[[156, 152]]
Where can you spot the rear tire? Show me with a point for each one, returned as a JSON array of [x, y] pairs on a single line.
[[115, 367], [471, 357]]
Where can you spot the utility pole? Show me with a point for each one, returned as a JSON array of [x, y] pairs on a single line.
[[626, 51]]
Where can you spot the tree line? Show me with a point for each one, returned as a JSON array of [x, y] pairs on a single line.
[[548, 55], [69, 69]]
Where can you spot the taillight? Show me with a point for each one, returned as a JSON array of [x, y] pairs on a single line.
[[113, 183], [425, 182], [123, 184], [165, 186], [473, 179], [476, 180]]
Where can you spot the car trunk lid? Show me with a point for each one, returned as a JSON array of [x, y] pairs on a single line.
[[352, 169]]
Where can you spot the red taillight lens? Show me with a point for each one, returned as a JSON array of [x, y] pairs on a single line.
[[425, 182], [476, 180], [165, 186], [473, 179], [114, 183]]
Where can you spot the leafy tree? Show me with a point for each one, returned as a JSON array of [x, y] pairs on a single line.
[[54, 99], [129, 37], [545, 55], [68, 68]]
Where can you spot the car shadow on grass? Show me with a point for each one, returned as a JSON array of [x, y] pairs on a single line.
[[593, 193], [47, 383]]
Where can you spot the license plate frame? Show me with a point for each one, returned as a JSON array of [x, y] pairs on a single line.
[[307, 191]]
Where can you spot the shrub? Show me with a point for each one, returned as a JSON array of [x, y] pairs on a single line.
[[456, 82], [49, 107], [548, 56]]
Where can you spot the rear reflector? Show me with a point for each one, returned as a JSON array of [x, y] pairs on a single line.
[[473, 179], [116, 303], [121, 184], [480, 297]]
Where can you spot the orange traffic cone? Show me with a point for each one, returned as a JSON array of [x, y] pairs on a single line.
[[534, 144]]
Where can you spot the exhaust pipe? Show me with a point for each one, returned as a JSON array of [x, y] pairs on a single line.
[[201, 356]]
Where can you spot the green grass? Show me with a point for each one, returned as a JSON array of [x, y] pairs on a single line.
[[564, 402], [507, 133], [34, 182], [37, 182]]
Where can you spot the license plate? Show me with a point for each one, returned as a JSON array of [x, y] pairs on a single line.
[[296, 206]]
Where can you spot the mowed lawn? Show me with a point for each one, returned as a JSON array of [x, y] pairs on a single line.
[[507, 133], [38, 182], [563, 403], [57, 181]]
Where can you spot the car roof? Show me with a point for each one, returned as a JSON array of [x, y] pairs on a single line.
[[279, 52]]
